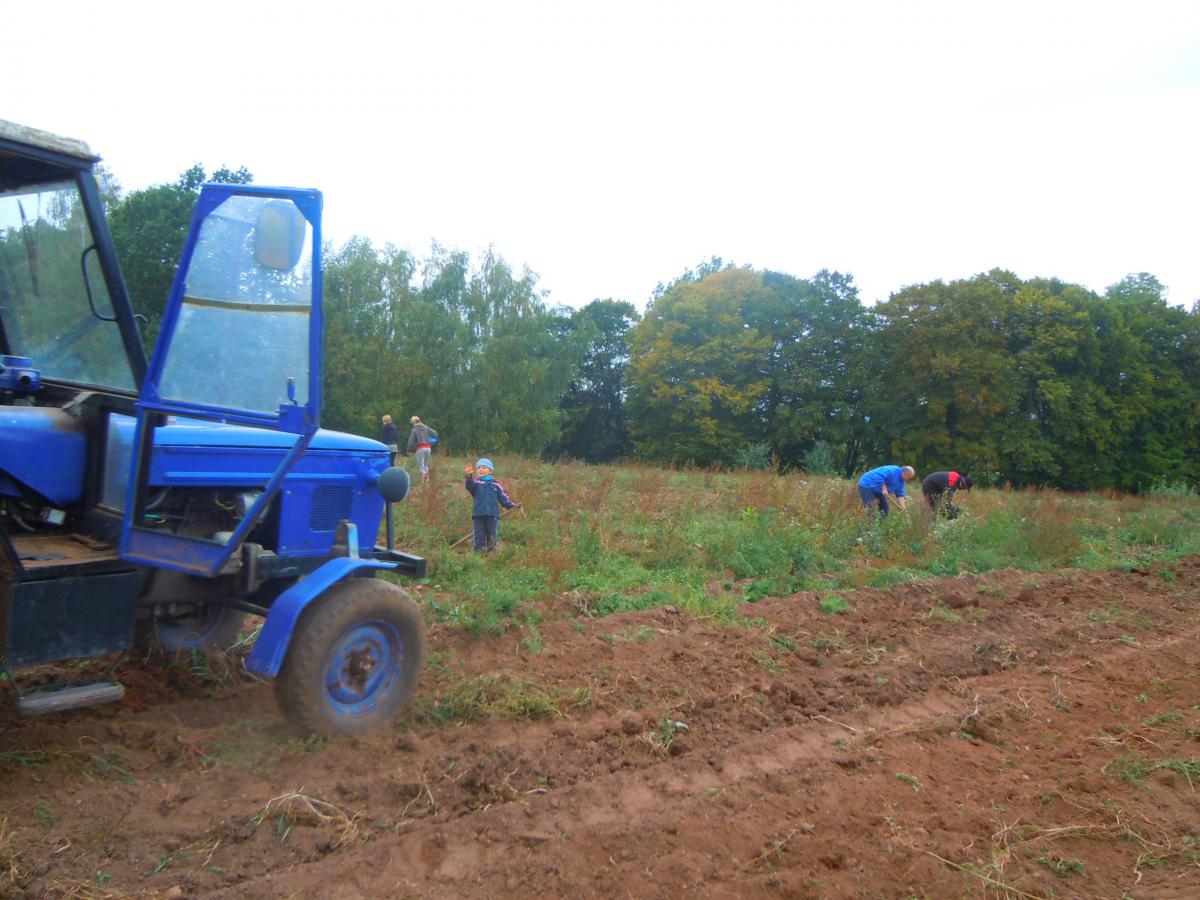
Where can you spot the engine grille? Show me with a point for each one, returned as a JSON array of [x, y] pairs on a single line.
[[330, 504]]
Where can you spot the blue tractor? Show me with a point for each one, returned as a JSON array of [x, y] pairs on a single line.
[[173, 496]]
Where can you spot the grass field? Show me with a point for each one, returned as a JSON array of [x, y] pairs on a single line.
[[606, 539]]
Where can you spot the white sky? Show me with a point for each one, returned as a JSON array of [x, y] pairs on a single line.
[[609, 146]]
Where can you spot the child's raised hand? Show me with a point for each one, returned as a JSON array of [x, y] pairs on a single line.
[[470, 469]]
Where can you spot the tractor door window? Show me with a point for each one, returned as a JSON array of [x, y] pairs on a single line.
[[44, 239], [243, 326]]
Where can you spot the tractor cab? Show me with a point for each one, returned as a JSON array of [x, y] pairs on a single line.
[[174, 496], [70, 360]]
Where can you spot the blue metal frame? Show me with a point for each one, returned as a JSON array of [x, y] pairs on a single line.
[[192, 554], [309, 202], [271, 646]]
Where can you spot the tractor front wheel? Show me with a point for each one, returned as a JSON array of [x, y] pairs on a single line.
[[353, 660], [216, 626]]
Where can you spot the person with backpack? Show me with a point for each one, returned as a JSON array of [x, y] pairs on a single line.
[[421, 439], [489, 496]]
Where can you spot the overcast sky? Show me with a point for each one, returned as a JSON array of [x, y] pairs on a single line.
[[609, 146]]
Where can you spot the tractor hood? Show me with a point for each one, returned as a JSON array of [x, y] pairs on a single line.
[[195, 433], [44, 451]]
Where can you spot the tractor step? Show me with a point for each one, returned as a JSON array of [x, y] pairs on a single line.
[[52, 698]]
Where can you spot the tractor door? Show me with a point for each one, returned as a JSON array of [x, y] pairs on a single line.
[[240, 343]]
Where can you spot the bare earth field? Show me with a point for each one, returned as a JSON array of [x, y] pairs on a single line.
[[1005, 735]]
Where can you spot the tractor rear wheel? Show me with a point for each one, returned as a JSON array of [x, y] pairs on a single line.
[[354, 659]]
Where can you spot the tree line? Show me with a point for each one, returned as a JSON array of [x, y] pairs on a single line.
[[1028, 382]]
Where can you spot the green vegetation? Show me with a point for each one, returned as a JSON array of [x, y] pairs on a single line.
[[599, 540], [833, 603], [1061, 866], [24, 759], [44, 813], [939, 612], [476, 699], [1134, 767], [1168, 717]]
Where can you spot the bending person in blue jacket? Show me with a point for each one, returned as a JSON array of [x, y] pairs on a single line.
[[489, 497], [879, 485]]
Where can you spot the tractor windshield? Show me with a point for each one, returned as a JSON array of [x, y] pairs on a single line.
[[54, 305]]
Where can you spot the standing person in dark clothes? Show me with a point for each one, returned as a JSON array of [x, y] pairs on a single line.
[[421, 439], [388, 435], [877, 486], [489, 496], [939, 488]]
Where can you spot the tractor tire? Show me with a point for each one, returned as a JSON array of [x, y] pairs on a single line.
[[354, 659], [217, 626]]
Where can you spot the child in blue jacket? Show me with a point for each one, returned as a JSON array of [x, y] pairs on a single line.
[[489, 496]]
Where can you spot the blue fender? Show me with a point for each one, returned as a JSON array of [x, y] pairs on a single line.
[[271, 646]]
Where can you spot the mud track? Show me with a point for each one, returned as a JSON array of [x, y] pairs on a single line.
[[1008, 735]]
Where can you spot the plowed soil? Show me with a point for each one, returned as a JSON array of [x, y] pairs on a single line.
[[1012, 734]]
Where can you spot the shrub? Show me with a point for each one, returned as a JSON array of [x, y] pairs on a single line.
[[819, 460], [753, 456], [1165, 488]]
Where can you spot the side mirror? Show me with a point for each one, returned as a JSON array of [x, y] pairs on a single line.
[[393, 484], [279, 235]]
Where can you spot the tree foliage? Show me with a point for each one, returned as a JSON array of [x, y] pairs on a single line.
[[820, 367], [698, 383], [1040, 382], [735, 358], [595, 428], [473, 351], [149, 227]]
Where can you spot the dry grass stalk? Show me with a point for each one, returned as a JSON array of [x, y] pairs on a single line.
[[307, 810], [1159, 850], [12, 874], [74, 889], [773, 849], [423, 781], [994, 883]]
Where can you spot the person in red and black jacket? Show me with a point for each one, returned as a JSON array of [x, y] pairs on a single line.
[[939, 488]]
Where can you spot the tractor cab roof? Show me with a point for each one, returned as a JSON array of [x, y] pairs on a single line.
[[44, 140]]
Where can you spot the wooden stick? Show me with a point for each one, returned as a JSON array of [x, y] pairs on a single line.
[[467, 537]]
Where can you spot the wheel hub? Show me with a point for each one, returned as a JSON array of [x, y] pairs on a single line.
[[365, 666], [358, 668]]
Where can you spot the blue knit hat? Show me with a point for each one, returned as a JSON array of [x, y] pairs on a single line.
[[480, 463]]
